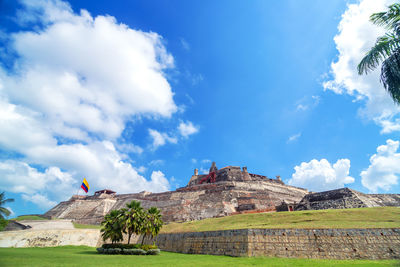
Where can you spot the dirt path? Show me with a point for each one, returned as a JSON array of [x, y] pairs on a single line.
[[49, 224]]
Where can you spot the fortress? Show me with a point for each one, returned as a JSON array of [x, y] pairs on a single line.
[[221, 192]]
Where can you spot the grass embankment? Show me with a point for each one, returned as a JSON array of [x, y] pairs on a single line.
[[86, 226], [86, 256], [30, 218], [381, 217]]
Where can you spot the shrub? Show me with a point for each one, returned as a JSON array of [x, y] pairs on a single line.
[[129, 246], [147, 247], [128, 249], [153, 252], [3, 224], [138, 252]]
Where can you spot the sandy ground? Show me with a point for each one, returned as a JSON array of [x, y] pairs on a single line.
[[49, 224]]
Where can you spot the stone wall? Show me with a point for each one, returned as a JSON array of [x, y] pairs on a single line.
[[325, 243], [345, 198], [230, 242], [50, 238], [187, 203], [291, 243]]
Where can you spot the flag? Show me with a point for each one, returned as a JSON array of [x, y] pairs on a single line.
[[85, 185]]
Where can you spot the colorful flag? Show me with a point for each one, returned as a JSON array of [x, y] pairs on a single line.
[[85, 185]]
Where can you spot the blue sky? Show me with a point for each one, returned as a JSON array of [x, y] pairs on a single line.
[[133, 95]]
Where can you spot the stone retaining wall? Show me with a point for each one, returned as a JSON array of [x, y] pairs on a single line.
[[50, 238], [291, 243]]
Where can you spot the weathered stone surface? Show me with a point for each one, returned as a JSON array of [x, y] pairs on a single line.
[[233, 191], [222, 192], [15, 226], [50, 238], [290, 243], [344, 198]]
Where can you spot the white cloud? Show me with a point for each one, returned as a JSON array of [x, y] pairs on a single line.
[[19, 177], [206, 161], [302, 107], [307, 102], [88, 74], [160, 139], [384, 169], [40, 200], [321, 175], [185, 44], [293, 138], [186, 129], [156, 162], [130, 148], [141, 169], [356, 36], [76, 81]]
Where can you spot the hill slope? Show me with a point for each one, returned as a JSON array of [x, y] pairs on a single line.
[[380, 217]]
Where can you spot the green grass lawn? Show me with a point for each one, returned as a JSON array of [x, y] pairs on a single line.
[[86, 256], [29, 217], [381, 217], [86, 226]]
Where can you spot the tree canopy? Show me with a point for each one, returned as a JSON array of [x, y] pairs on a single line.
[[131, 220], [4, 212], [386, 51]]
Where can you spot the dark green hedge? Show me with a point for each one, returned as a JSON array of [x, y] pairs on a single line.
[[129, 246], [126, 251], [3, 224]]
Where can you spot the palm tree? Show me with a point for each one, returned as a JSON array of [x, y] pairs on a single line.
[[133, 218], [387, 51], [153, 223], [4, 212], [112, 226]]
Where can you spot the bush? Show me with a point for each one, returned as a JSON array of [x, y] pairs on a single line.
[[153, 252], [128, 246], [138, 252], [131, 249], [147, 247], [3, 224]]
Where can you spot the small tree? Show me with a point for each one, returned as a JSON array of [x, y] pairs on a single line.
[[153, 223], [112, 226], [133, 218], [4, 212]]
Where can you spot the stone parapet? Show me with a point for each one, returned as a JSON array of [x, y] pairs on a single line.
[[289, 243]]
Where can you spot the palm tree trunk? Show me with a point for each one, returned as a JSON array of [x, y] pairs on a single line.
[[129, 237], [143, 238]]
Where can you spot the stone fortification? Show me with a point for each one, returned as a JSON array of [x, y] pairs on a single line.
[[50, 238], [223, 192], [290, 243], [346, 198]]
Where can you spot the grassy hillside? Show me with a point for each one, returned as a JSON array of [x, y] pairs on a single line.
[[86, 256], [29, 217], [381, 217], [86, 226]]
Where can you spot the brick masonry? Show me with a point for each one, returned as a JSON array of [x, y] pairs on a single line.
[[290, 243]]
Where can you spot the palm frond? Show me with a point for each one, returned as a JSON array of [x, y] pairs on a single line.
[[390, 75], [383, 48], [387, 19], [4, 211]]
